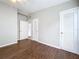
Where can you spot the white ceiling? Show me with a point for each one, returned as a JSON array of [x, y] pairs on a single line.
[[30, 6]]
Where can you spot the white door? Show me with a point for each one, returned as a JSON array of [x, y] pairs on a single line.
[[68, 29], [23, 29], [35, 29], [78, 33]]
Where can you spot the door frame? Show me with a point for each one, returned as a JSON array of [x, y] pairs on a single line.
[[75, 25], [33, 23]]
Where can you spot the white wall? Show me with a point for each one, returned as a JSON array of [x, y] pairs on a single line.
[[8, 25], [49, 22]]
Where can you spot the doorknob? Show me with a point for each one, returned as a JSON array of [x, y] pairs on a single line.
[[62, 33]]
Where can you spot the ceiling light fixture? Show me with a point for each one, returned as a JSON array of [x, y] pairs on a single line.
[[19, 0], [14, 1]]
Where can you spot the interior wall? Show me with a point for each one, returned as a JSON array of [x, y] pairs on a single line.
[[8, 25], [49, 22]]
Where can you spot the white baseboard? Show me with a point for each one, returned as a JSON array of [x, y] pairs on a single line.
[[7, 44], [48, 44], [57, 47]]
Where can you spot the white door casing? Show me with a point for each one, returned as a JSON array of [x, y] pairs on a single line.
[[68, 30], [35, 29]]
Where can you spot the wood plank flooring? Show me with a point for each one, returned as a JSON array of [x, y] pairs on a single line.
[[28, 49]]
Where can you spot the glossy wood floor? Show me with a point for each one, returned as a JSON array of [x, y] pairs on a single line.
[[28, 49]]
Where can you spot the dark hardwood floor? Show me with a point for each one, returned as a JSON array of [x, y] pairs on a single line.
[[28, 49]]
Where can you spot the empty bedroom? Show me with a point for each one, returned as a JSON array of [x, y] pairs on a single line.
[[39, 29]]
